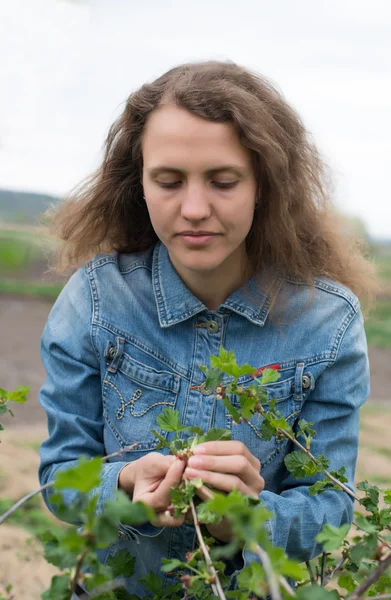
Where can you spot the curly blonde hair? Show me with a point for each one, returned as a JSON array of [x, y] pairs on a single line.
[[295, 226]]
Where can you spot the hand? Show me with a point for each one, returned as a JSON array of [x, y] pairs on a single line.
[[149, 480], [225, 466]]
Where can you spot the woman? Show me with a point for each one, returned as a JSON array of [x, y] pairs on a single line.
[[207, 224]]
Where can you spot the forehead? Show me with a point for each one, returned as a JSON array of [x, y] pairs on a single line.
[[174, 135]]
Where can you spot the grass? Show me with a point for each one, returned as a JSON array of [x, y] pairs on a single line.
[[378, 326], [31, 516], [49, 291]]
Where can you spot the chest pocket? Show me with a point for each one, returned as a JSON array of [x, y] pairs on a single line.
[[134, 394], [287, 403]]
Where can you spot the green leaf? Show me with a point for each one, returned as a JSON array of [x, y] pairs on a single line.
[[168, 420], [232, 410], [347, 581], [300, 465], [269, 376], [371, 499], [332, 537], [364, 524], [216, 434], [314, 592], [84, 477], [153, 583], [127, 512], [54, 553], [196, 430], [387, 496], [319, 487], [122, 563], [59, 588], [19, 395], [213, 377], [162, 441], [171, 564], [226, 362], [266, 430]]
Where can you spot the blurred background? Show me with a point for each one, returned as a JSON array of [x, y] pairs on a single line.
[[67, 68]]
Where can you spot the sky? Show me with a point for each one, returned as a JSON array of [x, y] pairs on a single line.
[[67, 67]]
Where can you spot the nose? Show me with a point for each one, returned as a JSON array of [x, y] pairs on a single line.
[[195, 204]]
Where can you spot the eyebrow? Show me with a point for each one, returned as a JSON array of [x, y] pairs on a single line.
[[239, 171]]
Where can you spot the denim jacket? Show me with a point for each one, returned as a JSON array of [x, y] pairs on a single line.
[[125, 339]]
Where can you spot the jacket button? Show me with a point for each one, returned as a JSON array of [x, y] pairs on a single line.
[[112, 352], [305, 382], [212, 326], [122, 535], [205, 391]]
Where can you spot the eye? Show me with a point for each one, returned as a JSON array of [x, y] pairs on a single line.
[[169, 184], [224, 185]]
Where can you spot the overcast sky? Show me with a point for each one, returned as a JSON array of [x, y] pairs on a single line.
[[66, 68]]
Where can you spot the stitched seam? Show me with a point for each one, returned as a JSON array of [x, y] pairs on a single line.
[[131, 402], [141, 346]]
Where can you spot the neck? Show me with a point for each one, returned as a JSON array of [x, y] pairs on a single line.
[[212, 287]]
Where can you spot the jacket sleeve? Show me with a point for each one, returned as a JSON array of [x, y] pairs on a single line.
[[72, 396], [333, 406]]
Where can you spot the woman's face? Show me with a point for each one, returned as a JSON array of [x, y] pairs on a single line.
[[200, 191]]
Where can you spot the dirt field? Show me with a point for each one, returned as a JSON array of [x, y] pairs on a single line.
[[21, 324]]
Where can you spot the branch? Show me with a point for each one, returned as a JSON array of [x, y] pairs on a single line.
[[50, 484], [285, 585], [373, 577], [310, 571], [312, 457], [334, 571], [323, 568], [274, 589], [79, 563], [216, 587]]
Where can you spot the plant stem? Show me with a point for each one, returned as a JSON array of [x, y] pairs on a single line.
[[334, 571], [284, 584], [312, 457], [217, 589], [267, 565], [310, 571], [75, 579], [50, 484], [371, 579], [323, 568]]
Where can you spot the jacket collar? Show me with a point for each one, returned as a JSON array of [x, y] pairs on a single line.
[[176, 303]]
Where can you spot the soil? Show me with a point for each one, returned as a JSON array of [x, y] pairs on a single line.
[[21, 324]]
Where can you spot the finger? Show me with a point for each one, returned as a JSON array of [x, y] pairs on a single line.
[[235, 465], [172, 479], [228, 448], [222, 482], [164, 519]]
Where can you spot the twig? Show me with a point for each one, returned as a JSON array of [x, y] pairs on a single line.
[[284, 584], [323, 568], [310, 571], [216, 587], [312, 457], [334, 571], [374, 576], [79, 563], [381, 597], [274, 589], [50, 484]]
